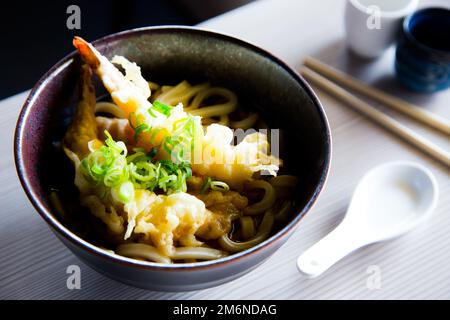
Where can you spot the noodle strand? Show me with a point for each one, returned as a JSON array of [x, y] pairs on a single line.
[[263, 233], [140, 250], [267, 201]]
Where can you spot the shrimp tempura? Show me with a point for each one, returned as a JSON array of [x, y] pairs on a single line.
[[216, 156]]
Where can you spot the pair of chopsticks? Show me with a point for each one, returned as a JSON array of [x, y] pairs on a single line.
[[317, 73]]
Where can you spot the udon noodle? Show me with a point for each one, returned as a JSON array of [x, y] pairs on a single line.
[[194, 99], [156, 207]]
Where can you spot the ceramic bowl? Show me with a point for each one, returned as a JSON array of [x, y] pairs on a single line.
[[423, 51], [168, 55]]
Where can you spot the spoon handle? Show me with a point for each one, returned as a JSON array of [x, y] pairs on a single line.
[[329, 250]]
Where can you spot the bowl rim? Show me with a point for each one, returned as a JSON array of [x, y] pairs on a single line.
[[79, 242], [389, 14]]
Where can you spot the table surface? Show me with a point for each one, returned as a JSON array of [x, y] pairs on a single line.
[[33, 262]]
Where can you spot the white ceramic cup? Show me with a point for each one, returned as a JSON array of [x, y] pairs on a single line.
[[373, 25]]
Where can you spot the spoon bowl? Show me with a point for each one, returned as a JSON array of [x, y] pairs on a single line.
[[390, 200]]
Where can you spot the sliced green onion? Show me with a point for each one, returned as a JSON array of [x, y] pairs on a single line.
[[137, 156], [143, 171], [162, 108], [116, 146], [205, 185], [139, 129], [109, 168], [219, 186], [114, 176], [151, 112], [126, 192]]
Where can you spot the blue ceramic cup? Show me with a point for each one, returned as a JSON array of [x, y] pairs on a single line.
[[423, 51]]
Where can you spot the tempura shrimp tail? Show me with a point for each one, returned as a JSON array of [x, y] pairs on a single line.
[[129, 91], [84, 126], [87, 52]]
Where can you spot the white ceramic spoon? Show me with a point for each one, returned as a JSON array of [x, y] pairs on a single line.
[[389, 201]]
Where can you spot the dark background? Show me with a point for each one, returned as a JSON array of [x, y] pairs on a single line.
[[34, 35]]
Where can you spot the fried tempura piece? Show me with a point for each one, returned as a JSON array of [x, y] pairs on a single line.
[[130, 91], [212, 154], [223, 209], [84, 126]]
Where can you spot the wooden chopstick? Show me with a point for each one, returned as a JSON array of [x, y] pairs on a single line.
[[433, 120], [377, 116]]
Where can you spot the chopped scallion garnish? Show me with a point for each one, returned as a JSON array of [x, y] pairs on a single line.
[[162, 108], [139, 129], [219, 186], [213, 185], [205, 185], [111, 167]]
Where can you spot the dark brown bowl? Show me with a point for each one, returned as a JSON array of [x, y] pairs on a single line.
[[168, 55]]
